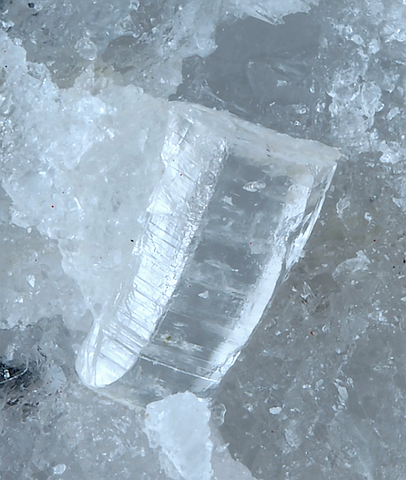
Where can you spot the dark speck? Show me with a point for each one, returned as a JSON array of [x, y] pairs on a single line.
[[31, 5], [132, 240]]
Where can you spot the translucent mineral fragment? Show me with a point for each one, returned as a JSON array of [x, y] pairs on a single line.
[[189, 444], [179, 425], [175, 221], [229, 216], [268, 11]]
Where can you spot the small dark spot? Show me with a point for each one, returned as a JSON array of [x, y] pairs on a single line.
[[404, 260], [132, 240], [15, 379], [394, 266], [31, 5], [14, 401]]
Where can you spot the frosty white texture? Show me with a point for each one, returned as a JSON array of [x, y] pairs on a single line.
[[269, 11], [190, 446], [77, 166], [176, 221], [179, 425]]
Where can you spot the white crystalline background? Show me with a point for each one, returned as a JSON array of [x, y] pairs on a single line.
[[319, 392]]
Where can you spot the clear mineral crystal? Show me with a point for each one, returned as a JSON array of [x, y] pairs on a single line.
[[176, 221], [229, 216]]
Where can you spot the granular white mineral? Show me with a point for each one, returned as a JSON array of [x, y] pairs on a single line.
[[190, 446], [179, 426]]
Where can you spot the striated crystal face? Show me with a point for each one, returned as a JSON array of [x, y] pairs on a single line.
[[230, 214], [175, 221]]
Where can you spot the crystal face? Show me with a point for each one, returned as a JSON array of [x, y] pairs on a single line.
[[230, 214], [175, 221]]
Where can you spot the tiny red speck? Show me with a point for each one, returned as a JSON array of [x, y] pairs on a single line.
[[52, 206], [374, 240], [311, 333]]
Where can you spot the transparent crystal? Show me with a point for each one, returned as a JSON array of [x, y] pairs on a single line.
[[229, 216], [175, 221]]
